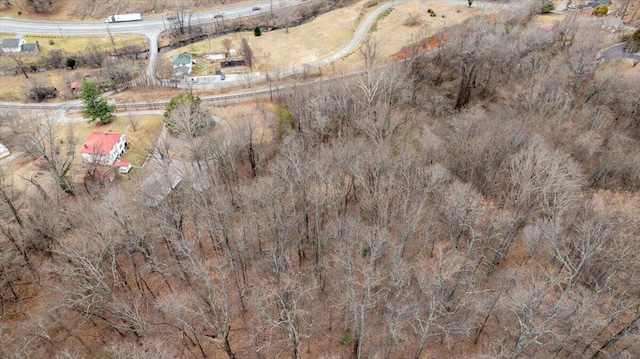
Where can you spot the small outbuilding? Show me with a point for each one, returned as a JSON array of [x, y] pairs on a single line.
[[4, 151], [30, 48], [123, 166]]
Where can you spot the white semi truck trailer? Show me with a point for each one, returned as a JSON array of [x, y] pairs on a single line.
[[124, 18]]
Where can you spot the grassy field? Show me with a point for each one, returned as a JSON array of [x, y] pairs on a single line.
[[73, 44], [7, 35], [142, 140], [551, 18]]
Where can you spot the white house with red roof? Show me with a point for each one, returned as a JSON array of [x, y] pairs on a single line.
[[104, 148]]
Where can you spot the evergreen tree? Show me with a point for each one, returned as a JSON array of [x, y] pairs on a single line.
[[95, 106]]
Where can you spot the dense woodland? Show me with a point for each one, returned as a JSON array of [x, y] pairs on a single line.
[[477, 201]]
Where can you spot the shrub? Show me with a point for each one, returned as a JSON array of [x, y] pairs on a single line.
[[39, 94], [285, 122], [71, 63], [51, 42], [547, 7], [365, 251], [636, 36], [257, 31], [346, 337], [600, 10], [371, 3], [412, 20]]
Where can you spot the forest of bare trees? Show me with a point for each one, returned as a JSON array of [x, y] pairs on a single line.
[[477, 201]]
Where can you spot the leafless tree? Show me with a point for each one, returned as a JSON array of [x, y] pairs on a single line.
[[41, 139], [247, 52], [182, 22], [227, 44]]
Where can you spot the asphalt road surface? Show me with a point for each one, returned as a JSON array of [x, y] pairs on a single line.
[[148, 26]]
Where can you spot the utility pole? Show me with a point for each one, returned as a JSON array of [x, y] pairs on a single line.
[[115, 51], [62, 36]]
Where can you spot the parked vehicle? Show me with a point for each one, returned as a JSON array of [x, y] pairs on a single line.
[[124, 18], [255, 8], [217, 16]]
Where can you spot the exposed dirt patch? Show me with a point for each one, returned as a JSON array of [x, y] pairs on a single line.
[[392, 32]]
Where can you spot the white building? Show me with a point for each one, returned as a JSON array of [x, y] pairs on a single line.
[[4, 151], [12, 45], [103, 148]]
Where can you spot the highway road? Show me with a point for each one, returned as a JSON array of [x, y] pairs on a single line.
[[148, 26]]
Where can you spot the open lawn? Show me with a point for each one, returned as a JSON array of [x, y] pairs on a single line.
[[140, 141], [7, 35], [550, 18], [73, 44], [238, 117]]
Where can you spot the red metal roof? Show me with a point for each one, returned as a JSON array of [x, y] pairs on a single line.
[[100, 143], [121, 163], [547, 27]]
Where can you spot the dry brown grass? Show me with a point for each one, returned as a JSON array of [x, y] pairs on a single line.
[[259, 115], [15, 87], [391, 33], [74, 44], [7, 35], [551, 18], [145, 94]]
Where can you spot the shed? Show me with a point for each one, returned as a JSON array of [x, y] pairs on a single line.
[[31, 48], [4, 151], [12, 45]]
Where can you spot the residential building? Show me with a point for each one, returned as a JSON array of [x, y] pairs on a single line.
[[103, 148], [182, 64]]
